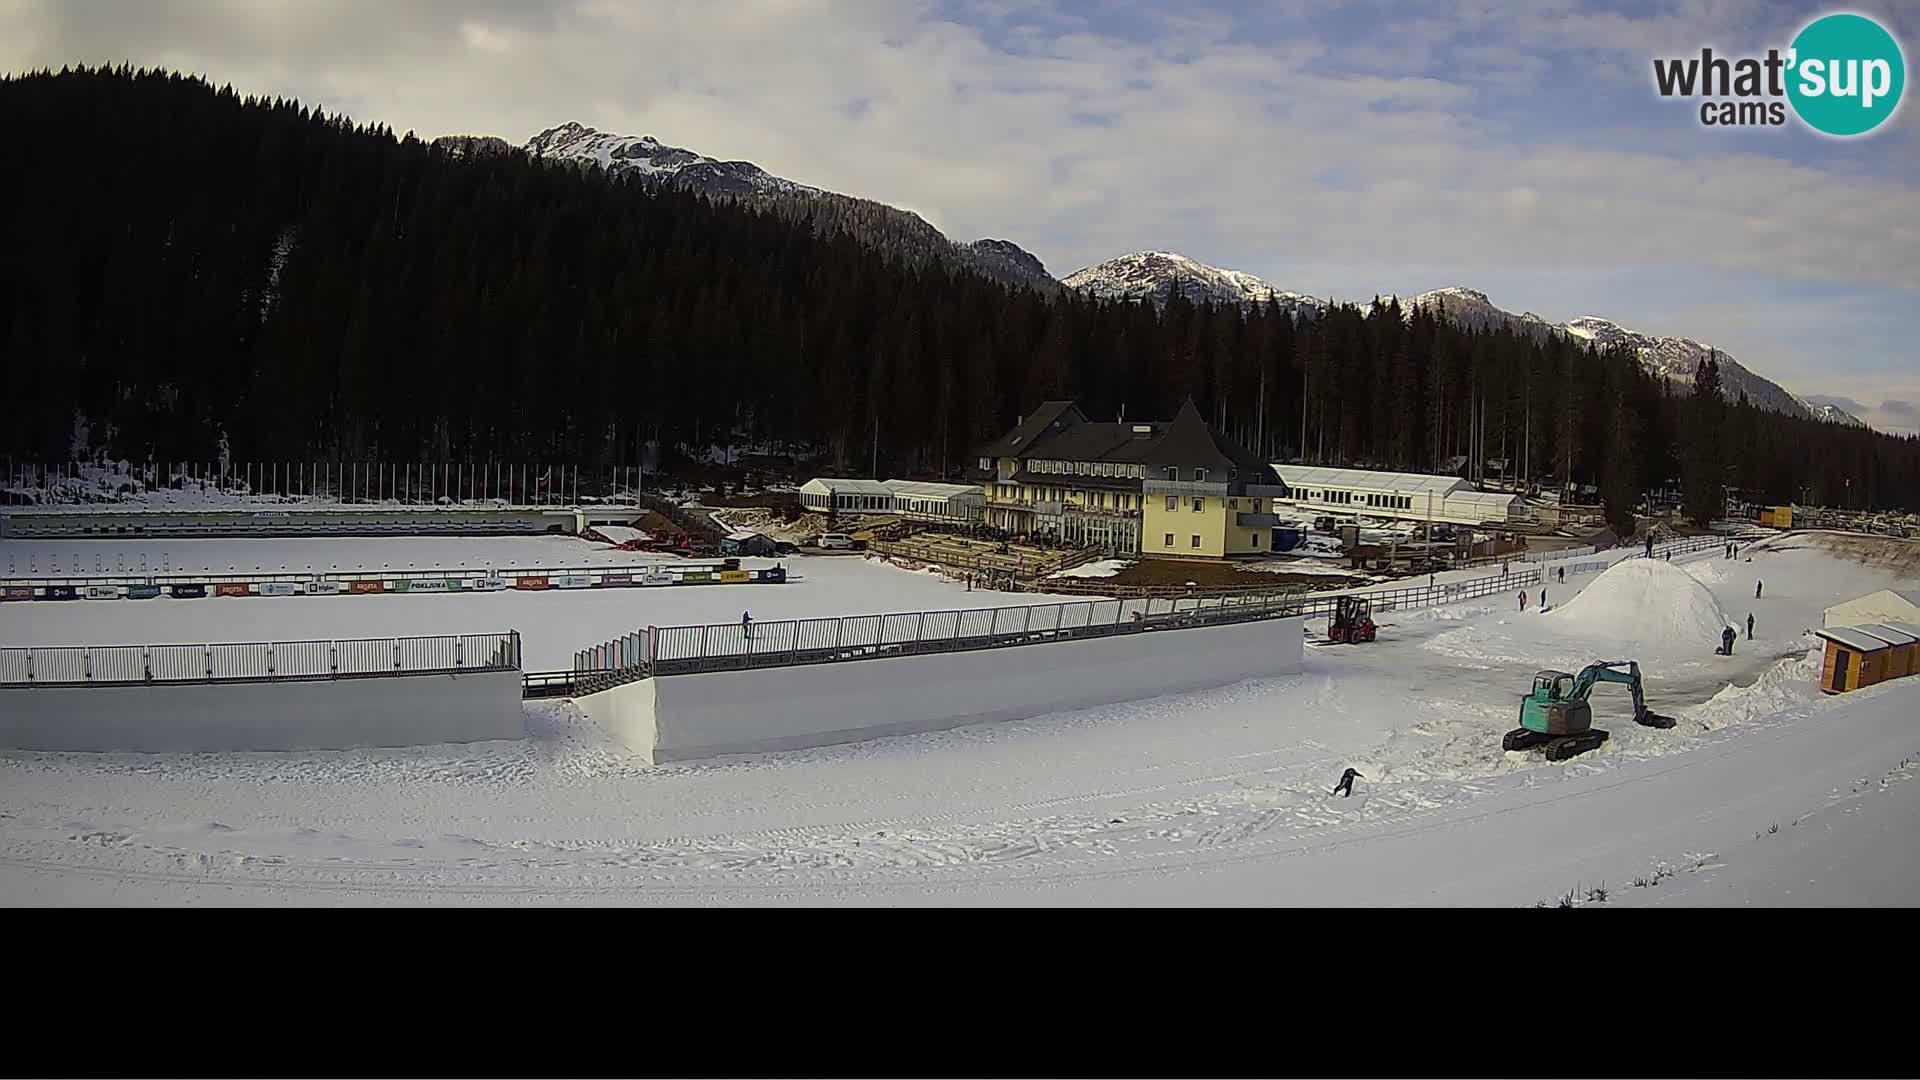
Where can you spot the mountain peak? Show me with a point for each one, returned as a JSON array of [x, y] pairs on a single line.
[[644, 155], [1151, 275]]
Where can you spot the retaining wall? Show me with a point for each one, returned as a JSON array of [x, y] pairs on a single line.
[[300, 714], [682, 717]]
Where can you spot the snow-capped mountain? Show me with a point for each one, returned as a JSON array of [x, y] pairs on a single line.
[[1675, 358], [901, 233], [646, 156], [1011, 258], [1152, 275], [1470, 307]]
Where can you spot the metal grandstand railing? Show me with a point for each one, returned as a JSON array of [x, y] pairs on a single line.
[[681, 650], [263, 661]]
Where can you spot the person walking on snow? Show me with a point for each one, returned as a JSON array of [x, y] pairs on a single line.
[[1756, 589], [1543, 599], [1345, 788], [1523, 599], [1563, 575], [746, 625], [1749, 626]]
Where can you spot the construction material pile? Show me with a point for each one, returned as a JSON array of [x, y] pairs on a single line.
[[1646, 602]]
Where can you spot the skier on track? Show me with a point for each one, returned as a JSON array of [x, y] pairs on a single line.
[[1345, 788]]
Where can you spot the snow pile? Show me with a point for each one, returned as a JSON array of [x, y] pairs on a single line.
[[1099, 568], [1782, 687], [1713, 572], [1300, 566], [1649, 602]]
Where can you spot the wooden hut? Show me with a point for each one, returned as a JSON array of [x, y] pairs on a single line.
[[1854, 659], [1900, 656]]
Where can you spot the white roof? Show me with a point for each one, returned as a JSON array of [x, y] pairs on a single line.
[[825, 485], [742, 535], [927, 490], [1881, 599], [1314, 476], [1888, 634], [1483, 498], [1852, 638]]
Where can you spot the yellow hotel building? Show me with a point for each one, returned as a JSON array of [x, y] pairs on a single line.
[[1172, 489]]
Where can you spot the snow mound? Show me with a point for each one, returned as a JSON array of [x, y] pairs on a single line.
[[1098, 569], [1709, 573], [1647, 601]]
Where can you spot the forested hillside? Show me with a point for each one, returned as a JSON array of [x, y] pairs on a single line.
[[184, 264]]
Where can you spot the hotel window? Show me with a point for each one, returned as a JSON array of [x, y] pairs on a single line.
[[1169, 542], [1173, 502], [1199, 505], [1200, 475], [1233, 504], [1196, 540]]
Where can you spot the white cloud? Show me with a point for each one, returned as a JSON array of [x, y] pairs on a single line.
[[1209, 144]]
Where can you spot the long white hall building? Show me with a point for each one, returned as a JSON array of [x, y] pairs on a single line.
[[1445, 500]]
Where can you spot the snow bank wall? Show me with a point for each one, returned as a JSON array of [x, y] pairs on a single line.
[[681, 717], [307, 714]]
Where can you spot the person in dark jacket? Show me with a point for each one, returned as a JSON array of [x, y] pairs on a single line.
[[1727, 637], [746, 625], [1756, 589], [1345, 787], [1749, 626], [1563, 575]]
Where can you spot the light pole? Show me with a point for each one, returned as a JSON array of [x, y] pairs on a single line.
[[1429, 538]]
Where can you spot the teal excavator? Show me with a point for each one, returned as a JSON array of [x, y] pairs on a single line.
[[1555, 714]]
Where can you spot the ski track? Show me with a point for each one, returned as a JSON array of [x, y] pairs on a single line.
[[1158, 813]]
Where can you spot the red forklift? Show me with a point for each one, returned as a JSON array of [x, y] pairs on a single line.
[[1352, 621]]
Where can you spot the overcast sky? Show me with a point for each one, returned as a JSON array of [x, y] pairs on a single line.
[[1338, 147]]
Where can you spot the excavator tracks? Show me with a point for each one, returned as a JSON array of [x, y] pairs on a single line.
[[1554, 747]]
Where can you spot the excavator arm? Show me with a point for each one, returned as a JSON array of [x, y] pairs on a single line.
[[1626, 672]]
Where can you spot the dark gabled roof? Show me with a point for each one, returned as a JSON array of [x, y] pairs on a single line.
[[1191, 443], [1019, 442], [1098, 442]]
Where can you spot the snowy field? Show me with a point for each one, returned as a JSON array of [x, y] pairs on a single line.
[[1766, 792], [553, 624]]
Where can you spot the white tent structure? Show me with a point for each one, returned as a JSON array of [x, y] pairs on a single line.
[[1885, 606], [1446, 500], [913, 498]]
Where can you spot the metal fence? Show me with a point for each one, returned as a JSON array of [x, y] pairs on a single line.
[[97, 665], [678, 650]]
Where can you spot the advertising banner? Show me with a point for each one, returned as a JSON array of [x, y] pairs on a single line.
[[659, 577], [367, 586], [189, 592], [615, 580], [489, 584], [735, 576], [142, 592], [530, 583], [103, 592], [277, 588], [17, 592], [322, 588], [572, 581], [233, 588]]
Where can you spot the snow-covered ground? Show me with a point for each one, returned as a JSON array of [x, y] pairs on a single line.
[[1209, 798], [552, 624]]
